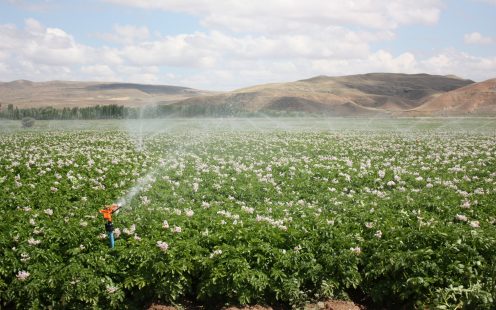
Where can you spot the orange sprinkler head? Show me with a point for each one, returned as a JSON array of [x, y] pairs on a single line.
[[108, 211]]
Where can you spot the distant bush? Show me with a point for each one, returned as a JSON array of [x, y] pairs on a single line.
[[27, 122]]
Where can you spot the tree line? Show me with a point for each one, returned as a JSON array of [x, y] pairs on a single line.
[[121, 112], [51, 113]]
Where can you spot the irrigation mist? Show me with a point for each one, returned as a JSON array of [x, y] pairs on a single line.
[[142, 129]]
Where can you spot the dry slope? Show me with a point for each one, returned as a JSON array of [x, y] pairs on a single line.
[[374, 93], [477, 99], [27, 94]]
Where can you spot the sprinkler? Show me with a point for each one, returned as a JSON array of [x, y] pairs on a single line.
[[109, 227]]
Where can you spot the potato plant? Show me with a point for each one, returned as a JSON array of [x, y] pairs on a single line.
[[242, 217]]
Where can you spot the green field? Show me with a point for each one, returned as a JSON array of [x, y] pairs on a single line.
[[388, 212], [475, 124]]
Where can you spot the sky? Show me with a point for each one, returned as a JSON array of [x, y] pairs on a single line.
[[229, 44]]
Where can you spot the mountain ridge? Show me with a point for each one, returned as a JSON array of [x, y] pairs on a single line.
[[395, 94], [59, 94], [362, 94]]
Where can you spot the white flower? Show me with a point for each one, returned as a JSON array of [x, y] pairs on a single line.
[[189, 213], [474, 224], [357, 250], [162, 245], [48, 211], [215, 253], [136, 237], [117, 233], [111, 289], [177, 229], [381, 174], [479, 191], [144, 200], [461, 217], [378, 234], [129, 231], [248, 209], [25, 257], [32, 241], [205, 205], [165, 225], [22, 275]]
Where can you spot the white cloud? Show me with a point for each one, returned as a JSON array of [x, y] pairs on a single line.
[[461, 64], [126, 34], [206, 50], [33, 26], [295, 15], [180, 50], [3, 55], [380, 61], [99, 72], [103, 72], [477, 38], [219, 60], [37, 52], [50, 46]]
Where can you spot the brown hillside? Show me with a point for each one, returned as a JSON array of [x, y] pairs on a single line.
[[355, 95], [26, 94], [477, 99], [374, 93]]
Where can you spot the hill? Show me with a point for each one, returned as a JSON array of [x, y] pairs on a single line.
[[477, 99], [27, 94], [355, 95]]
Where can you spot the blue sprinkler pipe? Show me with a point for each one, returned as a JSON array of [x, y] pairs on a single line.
[[109, 228], [111, 239]]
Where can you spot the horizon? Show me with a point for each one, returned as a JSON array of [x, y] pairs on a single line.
[[222, 47], [248, 86]]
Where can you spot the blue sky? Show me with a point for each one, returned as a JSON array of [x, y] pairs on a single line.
[[222, 45]]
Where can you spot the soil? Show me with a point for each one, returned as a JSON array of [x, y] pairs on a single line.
[[324, 305]]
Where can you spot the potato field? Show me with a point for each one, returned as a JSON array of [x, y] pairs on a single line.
[[389, 213]]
